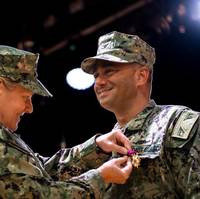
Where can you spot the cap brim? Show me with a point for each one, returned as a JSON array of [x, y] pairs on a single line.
[[37, 88], [88, 64]]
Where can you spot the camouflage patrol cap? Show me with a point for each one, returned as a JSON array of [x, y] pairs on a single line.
[[121, 48], [21, 67]]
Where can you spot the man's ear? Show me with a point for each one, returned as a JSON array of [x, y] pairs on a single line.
[[1, 81], [142, 75], [1, 85]]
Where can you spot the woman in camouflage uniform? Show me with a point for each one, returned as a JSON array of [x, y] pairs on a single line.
[[24, 174]]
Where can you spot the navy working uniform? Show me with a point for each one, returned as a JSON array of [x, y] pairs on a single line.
[[24, 174], [166, 137]]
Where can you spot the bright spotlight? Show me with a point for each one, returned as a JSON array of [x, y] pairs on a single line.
[[196, 11], [79, 80]]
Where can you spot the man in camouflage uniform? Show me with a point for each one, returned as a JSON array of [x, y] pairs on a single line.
[[24, 174], [165, 137]]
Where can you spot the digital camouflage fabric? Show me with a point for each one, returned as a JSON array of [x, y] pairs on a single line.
[[121, 48], [24, 174], [21, 67], [167, 139]]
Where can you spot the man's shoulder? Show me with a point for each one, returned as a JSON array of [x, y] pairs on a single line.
[[184, 124], [183, 127], [181, 116], [173, 106]]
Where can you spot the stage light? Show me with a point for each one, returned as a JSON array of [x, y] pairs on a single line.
[[78, 79], [196, 11]]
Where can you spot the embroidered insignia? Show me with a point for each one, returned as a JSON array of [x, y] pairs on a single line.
[[184, 124]]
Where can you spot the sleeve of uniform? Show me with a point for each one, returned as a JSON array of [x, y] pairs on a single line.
[[183, 155], [76, 160], [89, 185]]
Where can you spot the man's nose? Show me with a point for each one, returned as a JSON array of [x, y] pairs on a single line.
[[100, 80]]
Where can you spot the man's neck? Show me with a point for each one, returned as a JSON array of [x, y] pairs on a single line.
[[130, 112]]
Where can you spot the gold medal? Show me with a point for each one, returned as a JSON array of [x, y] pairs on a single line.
[[135, 159]]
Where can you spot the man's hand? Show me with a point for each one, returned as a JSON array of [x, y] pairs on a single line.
[[116, 170], [115, 141]]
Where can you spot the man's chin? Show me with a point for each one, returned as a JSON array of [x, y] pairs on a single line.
[[106, 104], [13, 128]]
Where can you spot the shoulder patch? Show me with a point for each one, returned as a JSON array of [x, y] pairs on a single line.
[[184, 124]]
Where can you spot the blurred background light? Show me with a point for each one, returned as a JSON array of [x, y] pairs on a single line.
[[78, 79], [196, 11]]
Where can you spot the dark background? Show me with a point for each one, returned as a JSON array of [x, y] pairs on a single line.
[[66, 32]]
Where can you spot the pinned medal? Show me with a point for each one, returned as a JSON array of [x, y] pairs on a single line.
[[135, 159]]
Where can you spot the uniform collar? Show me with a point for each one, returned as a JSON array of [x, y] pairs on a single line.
[[137, 122]]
